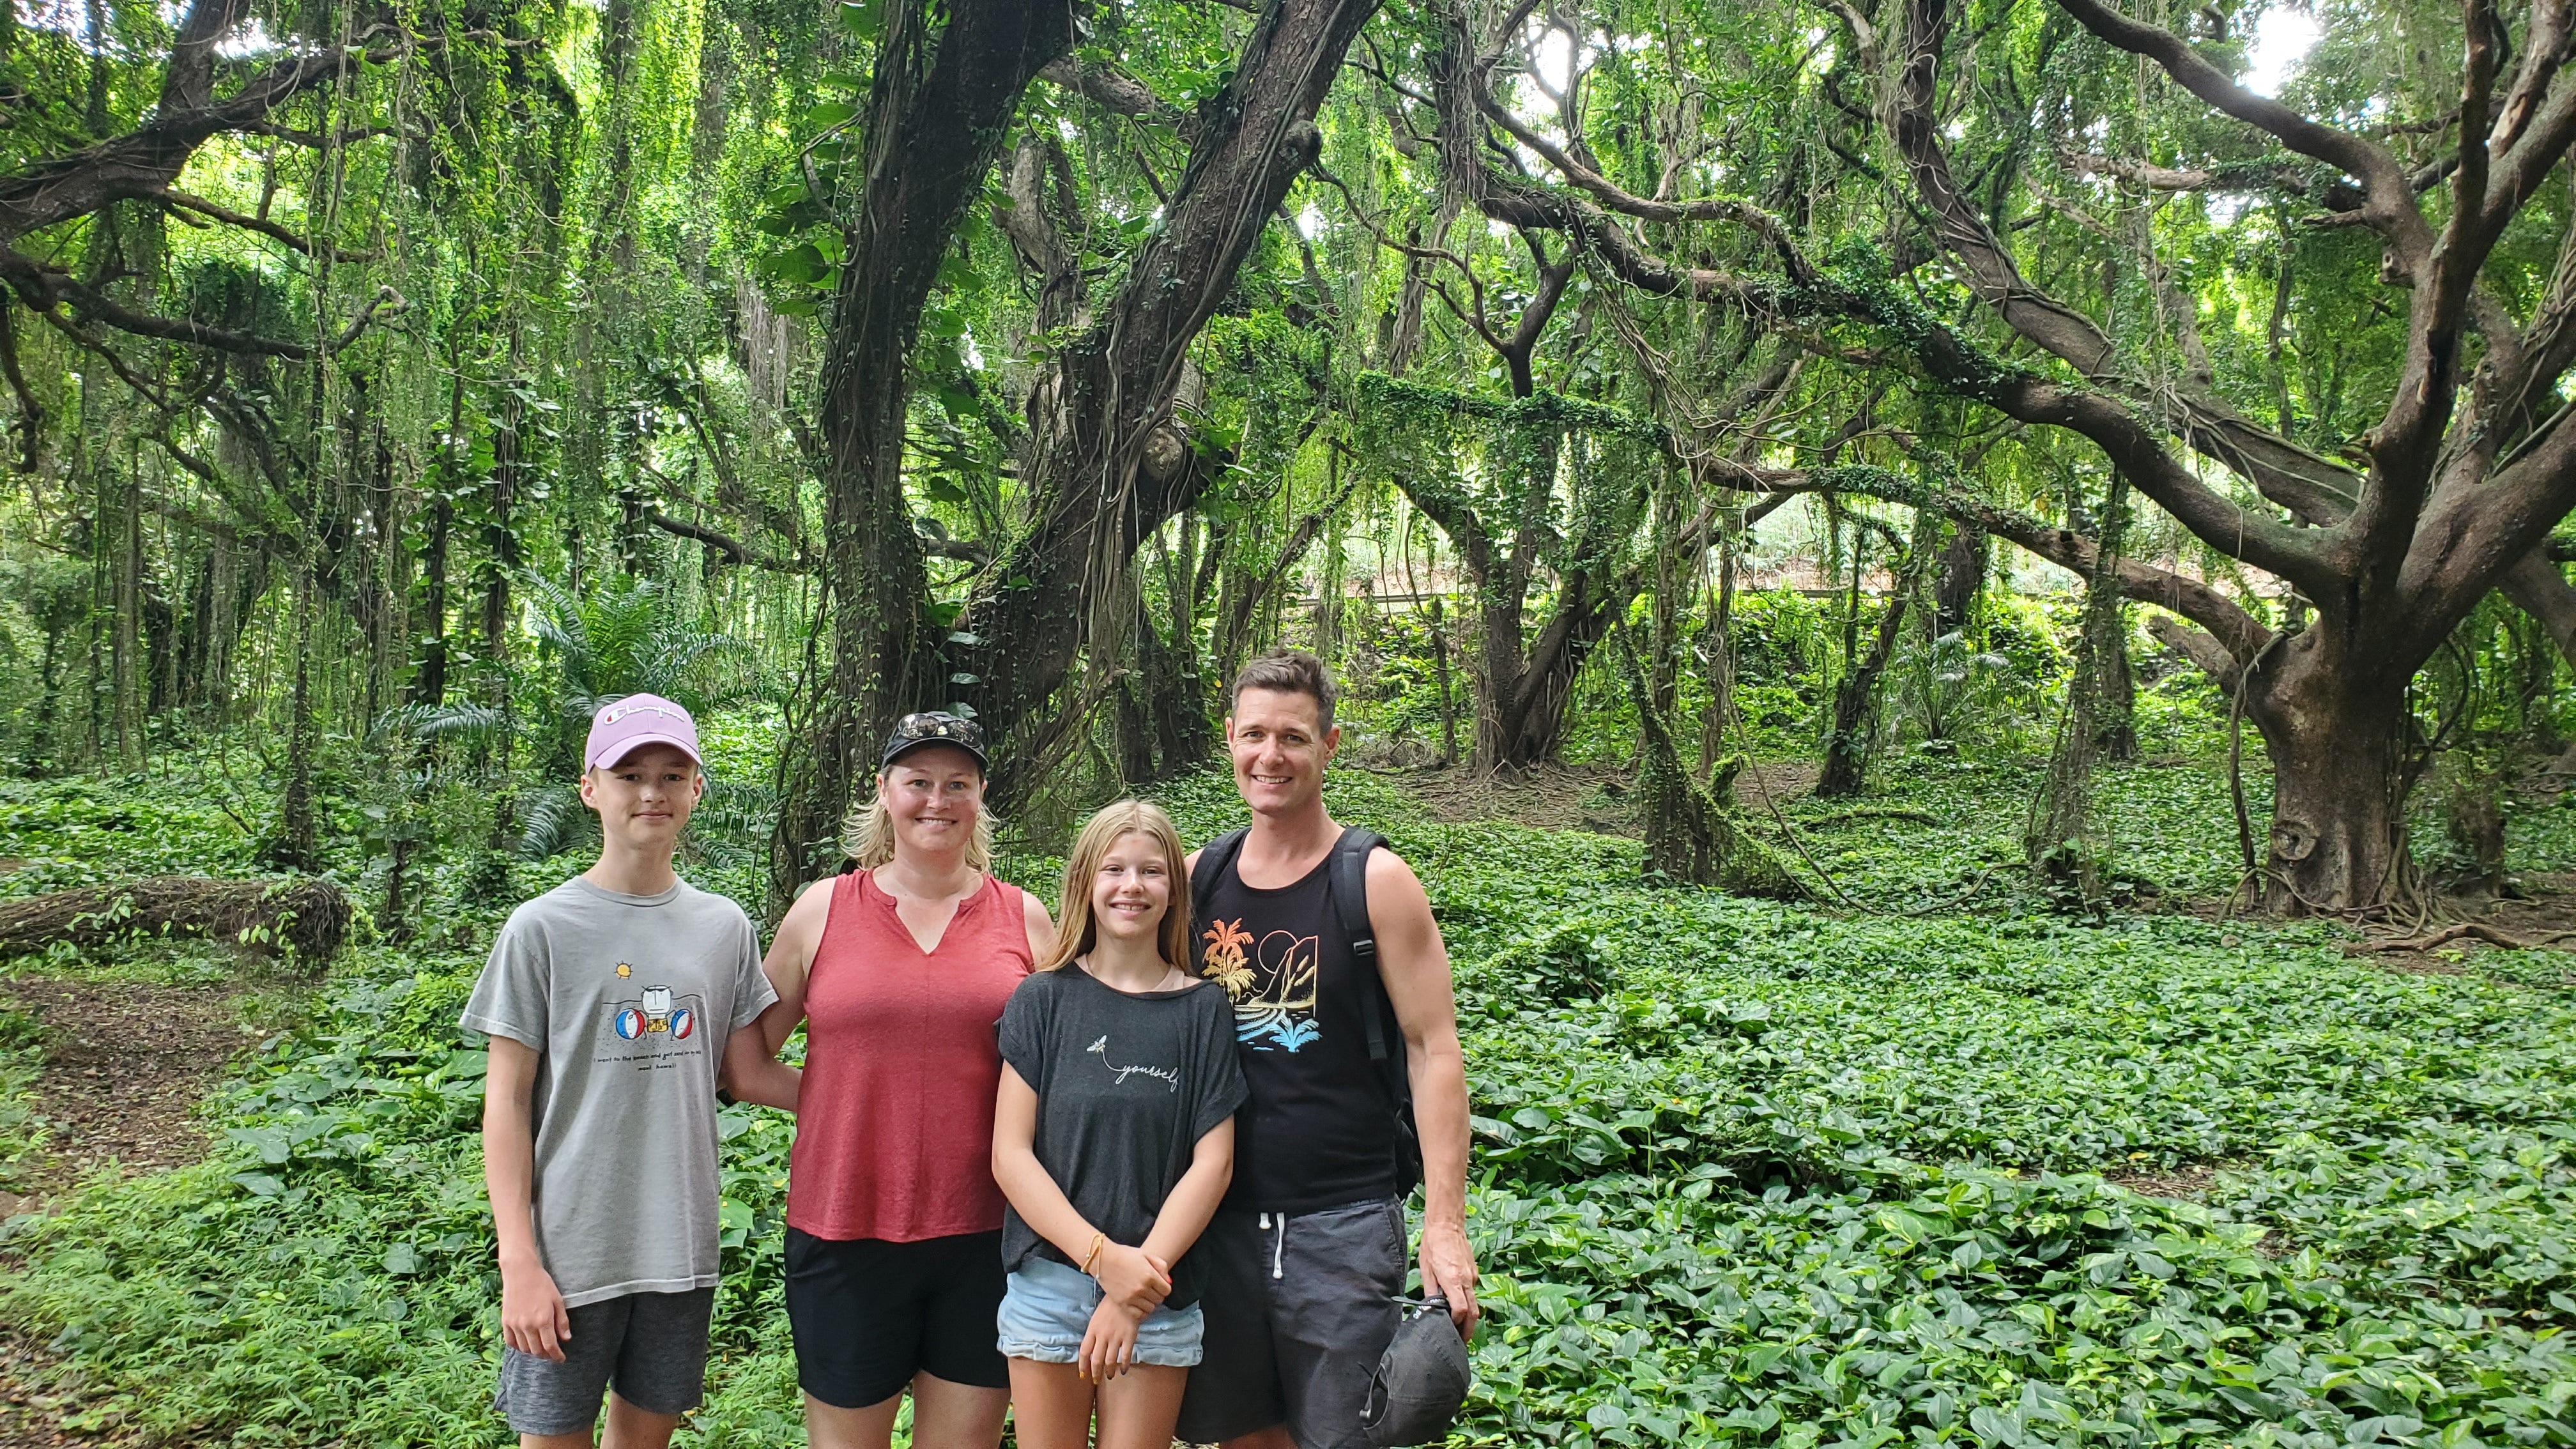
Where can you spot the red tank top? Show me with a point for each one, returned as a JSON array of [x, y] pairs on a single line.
[[894, 1121]]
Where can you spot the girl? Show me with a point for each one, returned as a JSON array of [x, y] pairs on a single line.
[[894, 1225], [1113, 1138]]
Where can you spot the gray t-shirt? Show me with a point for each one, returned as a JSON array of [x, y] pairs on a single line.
[[1127, 1084], [628, 1001]]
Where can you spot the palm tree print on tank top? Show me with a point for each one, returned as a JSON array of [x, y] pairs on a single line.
[[1273, 989]]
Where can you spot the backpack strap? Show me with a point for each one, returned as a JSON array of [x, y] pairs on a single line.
[[1347, 884], [1214, 857]]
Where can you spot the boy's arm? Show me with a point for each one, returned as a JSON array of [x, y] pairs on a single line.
[[1414, 963], [1123, 1271], [533, 1318], [1194, 1198], [753, 1074]]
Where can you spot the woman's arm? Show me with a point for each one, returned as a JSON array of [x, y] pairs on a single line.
[[1194, 1198], [791, 956], [1038, 924], [1123, 1271]]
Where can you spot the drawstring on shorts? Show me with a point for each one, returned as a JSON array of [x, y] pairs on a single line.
[[1279, 1245]]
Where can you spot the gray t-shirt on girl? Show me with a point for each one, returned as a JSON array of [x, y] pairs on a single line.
[[1127, 1084], [627, 1001]]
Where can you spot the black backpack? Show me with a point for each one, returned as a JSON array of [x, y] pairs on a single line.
[[1346, 884]]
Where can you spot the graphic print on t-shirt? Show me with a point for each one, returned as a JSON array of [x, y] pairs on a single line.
[[657, 1021], [1273, 989], [1170, 1077]]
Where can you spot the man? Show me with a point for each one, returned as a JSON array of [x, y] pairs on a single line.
[[1300, 1267], [611, 1001]]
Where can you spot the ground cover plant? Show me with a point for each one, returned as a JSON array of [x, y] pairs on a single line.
[[1745, 1172]]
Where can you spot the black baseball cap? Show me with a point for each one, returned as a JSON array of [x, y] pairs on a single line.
[[1421, 1380], [934, 727]]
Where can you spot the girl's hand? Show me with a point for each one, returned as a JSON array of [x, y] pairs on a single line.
[[1131, 1279], [1109, 1344]]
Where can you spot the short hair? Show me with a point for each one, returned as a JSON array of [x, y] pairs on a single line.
[[1116, 821], [1288, 671]]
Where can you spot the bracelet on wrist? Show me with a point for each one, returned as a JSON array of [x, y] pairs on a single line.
[[1098, 1242]]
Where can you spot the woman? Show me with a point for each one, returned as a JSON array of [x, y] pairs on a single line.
[[898, 968], [1113, 1139]]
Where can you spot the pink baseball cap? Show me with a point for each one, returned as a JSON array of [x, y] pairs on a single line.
[[623, 726]]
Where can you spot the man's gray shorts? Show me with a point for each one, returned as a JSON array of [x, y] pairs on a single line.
[[651, 1346], [1299, 1310]]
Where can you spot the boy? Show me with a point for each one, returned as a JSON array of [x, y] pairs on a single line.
[[609, 1001]]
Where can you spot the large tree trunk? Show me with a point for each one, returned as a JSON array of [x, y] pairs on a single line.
[[1855, 726], [1962, 578], [1112, 463], [937, 115], [2336, 735]]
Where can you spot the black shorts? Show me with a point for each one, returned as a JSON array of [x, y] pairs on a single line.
[[869, 1314], [1299, 1310]]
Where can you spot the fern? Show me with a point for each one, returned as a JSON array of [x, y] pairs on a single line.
[[556, 822]]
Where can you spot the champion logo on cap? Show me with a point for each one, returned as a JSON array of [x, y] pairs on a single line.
[[623, 726]]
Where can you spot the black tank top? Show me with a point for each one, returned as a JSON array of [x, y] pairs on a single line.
[[1319, 1130]]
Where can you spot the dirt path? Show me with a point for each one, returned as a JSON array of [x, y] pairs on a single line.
[[126, 1065]]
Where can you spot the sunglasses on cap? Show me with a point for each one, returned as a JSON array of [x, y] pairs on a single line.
[[933, 727]]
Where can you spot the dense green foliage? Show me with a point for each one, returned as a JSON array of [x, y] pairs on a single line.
[[1744, 1173], [417, 404]]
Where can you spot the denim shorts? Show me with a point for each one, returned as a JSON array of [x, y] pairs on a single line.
[[1048, 1307]]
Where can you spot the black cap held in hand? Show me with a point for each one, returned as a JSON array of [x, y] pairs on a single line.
[[934, 727], [1420, 1382]]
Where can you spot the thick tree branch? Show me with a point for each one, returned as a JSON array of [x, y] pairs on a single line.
[[1763, 223], [45, 288], [180, 200], [731, 547], [2389, 198], [1112, 89], [2211, 656], [143, 162]]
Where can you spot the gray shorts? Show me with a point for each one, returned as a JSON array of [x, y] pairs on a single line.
[[1299, 1310], [651, 1346]]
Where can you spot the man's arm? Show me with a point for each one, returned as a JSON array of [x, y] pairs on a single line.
[[1414, 963], [533, 1318]]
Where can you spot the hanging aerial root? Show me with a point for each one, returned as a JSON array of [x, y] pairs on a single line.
[[297, 916]]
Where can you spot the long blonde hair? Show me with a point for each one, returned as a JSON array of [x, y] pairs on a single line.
[[1079, 932], [867, 836]]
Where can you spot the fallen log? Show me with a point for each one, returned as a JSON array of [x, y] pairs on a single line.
[[297, 916]]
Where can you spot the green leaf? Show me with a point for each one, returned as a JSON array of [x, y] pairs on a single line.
[[861, 17], [824, 115]]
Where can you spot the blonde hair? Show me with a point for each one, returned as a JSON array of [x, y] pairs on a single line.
[[1079, 932], [867, 836]]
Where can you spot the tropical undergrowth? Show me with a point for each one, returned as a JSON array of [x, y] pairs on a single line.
[[1744, 1173]]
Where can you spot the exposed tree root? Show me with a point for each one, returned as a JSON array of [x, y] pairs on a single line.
[[2465, 930]]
